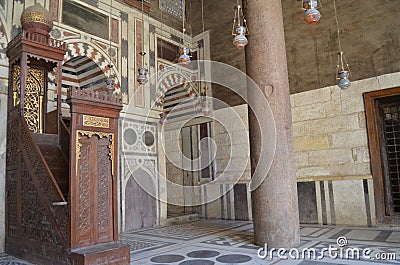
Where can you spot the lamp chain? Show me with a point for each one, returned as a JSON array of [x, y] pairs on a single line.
[[202, 13], [183, 23], [110, 36], [143, 53], [337, 26], [162, 33], [342, 58], [202, 21]]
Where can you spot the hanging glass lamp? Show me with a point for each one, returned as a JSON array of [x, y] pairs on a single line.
[[163, 118], [344, 81], [184, 57], [205, 108], [311, 16], [240, 41], [239, 29]]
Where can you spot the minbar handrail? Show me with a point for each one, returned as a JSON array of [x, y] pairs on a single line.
[[52, 192], [64, 139], [96, 96]]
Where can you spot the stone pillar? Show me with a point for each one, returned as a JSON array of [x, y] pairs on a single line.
[[275, 206]]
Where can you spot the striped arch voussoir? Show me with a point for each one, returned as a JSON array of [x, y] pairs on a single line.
[[171, 81], [78, 49]]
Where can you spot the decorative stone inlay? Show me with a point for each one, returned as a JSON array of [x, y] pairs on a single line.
[[130, 136], [198, 262], [148, 138], [235, 258], [167, 258], [202, 254]]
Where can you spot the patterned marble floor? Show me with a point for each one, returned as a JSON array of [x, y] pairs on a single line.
[[216, 242]]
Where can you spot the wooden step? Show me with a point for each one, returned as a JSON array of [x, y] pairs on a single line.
[[57, 163], [53, 161], [102, 254], [50, 150], [44, 138]]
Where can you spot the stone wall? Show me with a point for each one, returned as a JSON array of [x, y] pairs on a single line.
[[174, 171], [218, 20], [233, 172], [228, 196], [332, 151], [370, 36]]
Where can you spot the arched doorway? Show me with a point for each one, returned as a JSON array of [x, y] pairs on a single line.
[[140, 206]]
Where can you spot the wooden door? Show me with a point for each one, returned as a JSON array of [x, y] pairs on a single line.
[[140, 204], [95, 221]]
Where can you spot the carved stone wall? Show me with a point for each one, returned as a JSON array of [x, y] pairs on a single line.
[[141, 180]]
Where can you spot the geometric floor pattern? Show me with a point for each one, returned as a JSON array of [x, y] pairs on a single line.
[[218, 242]]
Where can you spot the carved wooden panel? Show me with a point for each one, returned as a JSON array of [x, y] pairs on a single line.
[[104, 192], [33, 224], [84, 195], [34, 96], [16, 84], [95, 188], [94, 121], [33, 99]]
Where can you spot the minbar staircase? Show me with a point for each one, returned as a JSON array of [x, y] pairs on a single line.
[[55, 159], [61, 188]]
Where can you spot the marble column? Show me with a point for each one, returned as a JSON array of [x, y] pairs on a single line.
[[275, 205]]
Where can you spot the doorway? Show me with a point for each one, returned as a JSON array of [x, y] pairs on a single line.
[[198, 167], [383, 124]]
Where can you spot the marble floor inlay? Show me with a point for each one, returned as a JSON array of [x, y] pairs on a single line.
[[220, 242]]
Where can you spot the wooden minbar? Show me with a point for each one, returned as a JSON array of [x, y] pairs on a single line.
[[61, 177]]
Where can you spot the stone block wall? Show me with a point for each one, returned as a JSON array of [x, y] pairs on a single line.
[[232, 166], [218, 20], [332, 150], [231, 135], [228, 196], [370, 35]]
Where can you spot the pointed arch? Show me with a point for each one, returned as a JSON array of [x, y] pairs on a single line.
[[171, 80], [82, 72], [3, 29], [77, 48]]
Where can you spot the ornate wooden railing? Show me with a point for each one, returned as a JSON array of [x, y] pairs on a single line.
[[38, 38], [64, 138], [51, 122], [102, 97], [37, 212]]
